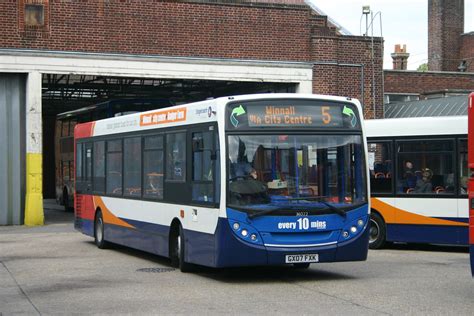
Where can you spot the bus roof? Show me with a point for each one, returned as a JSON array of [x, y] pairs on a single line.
[[416, 126], [112, 102], [191, 113]]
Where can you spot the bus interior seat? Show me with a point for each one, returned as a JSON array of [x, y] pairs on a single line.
[[437, 181]]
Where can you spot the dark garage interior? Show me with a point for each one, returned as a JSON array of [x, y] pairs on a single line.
[[67, 92]]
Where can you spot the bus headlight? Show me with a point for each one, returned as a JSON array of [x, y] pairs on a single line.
[[353, 228], [245, 232]]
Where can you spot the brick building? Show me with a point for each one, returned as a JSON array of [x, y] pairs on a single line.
[[450, 59], [60, 55]]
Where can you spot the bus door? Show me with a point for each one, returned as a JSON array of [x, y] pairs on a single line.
[[88, 168], [177, 176], [204, 165]]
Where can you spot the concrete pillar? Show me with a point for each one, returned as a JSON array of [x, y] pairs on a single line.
[[305, 87], [34, 214], [12, 148]]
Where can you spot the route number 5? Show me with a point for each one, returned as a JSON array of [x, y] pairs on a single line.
[[325, 114]]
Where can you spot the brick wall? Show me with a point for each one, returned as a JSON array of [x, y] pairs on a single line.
[[467, 50], [342, 63], [172, 28], [279, 30], [425, 82], [445, 26]]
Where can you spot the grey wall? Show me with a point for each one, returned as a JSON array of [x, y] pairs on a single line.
[[12, 148]]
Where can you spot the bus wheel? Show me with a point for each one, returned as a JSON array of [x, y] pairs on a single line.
[[301, 265], [178, 251], [99, 231], [377, 231]]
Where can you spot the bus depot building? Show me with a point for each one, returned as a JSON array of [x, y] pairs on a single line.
[[61, 56]]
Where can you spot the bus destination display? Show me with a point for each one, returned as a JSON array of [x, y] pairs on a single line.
[[266, 114]]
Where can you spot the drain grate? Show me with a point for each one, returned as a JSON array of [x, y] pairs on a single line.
[[155, 270]]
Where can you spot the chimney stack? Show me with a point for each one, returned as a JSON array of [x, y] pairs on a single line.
[[445, 26], [400, 57]]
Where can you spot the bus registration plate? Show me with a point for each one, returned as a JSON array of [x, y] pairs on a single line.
[[307, 257]]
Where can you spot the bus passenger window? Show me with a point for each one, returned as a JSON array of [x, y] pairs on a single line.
[[79, 162], [203, 167], [380, 166], [99, 166], [114, 167], [153, 167], [132, 180], [176, 157], [88, 163], [425, 166]]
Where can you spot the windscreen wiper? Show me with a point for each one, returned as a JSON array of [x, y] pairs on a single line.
[[267, 211], [291, 207], [321, 200]]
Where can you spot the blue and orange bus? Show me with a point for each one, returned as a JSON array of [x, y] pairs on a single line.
[[248, 180], [64, 137], [471, 177], [418, 180]]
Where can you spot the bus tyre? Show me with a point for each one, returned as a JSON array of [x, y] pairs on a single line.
[[377, 231], [99, 231], [301, 265], [178, 250]]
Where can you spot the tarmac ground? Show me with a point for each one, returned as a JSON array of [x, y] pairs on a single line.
[[54, 269]]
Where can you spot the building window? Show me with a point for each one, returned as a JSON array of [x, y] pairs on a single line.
[[34, 15]]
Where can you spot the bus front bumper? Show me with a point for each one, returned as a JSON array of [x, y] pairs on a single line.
[[233, 252]]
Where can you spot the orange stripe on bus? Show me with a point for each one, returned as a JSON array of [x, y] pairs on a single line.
[[108, 216], [393, 215]]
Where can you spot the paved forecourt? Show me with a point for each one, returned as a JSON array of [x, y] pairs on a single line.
[[56, 270]]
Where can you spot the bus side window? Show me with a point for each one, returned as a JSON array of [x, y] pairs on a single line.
[[99, 166], [380, 166], [114, 167], [79, 162], [203, 162], [132, 167], [425, 166], [153, 167]]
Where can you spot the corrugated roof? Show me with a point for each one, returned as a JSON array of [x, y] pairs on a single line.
[[449, 106]]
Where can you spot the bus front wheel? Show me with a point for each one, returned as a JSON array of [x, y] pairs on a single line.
[[377, 231], [178, 250]]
